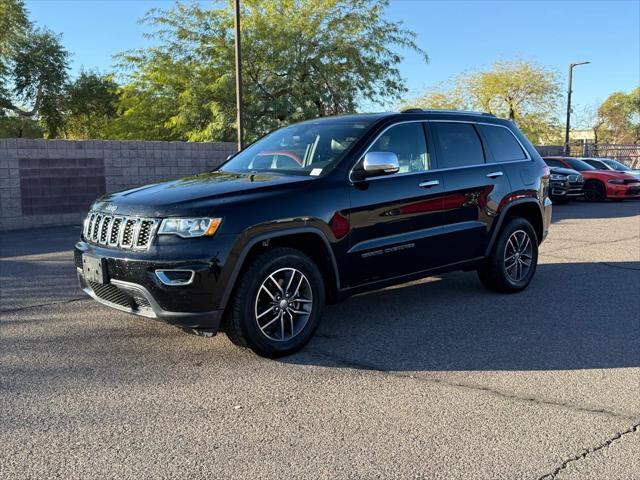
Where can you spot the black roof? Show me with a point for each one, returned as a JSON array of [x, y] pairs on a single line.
[[416, 113]]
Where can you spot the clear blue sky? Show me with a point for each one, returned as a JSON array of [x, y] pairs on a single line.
[[457, 35]]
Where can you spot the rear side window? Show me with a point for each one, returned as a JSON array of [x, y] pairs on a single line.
[[596, 164], [459, 144], [502, 144]]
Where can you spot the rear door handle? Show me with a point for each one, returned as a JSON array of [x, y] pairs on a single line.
[[429, 184], [494, 174]]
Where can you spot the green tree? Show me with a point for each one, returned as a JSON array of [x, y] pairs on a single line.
[[301, 59], [90, 105], [521, 91], [618, 119], [14, 25], [33, 71]]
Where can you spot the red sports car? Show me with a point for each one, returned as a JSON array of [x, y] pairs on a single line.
[[600, 184]]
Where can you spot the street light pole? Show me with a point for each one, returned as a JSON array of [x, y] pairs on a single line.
[[238, 75], [567, 146]]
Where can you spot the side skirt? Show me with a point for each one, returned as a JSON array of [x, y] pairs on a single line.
[[466, 265]]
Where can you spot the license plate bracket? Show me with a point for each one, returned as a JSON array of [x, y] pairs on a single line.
[[94, 269]]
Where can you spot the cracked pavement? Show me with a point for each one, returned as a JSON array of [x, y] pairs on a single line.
[[433, 379]]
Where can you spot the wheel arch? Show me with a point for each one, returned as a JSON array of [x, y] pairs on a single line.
[[527, 208], [309, 240]]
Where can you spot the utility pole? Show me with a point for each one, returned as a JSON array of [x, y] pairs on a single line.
[[238, 75], [567, 146]]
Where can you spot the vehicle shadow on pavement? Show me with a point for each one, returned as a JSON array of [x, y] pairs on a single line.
[[572, 316]]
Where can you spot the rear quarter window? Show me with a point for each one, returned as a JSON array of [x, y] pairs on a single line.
[[502, 144]]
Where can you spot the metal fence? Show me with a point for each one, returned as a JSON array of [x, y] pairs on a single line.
[[627, 154]]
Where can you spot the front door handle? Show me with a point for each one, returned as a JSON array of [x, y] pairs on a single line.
[[429, 184], [494, 174]]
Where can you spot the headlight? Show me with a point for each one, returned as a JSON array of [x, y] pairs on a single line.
[[189, 227], [616, 182], [556, 176]]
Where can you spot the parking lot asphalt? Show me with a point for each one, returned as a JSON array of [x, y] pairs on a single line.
[[435, 379]]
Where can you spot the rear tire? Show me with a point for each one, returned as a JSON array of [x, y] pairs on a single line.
[[513, 260], [277, 305], [594, 191]]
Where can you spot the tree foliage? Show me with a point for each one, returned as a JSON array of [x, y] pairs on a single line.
[[520, 91], [301, 59], [618, 119], [33, 70], [90, 105]]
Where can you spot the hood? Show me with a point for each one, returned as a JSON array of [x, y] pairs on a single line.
[[193, 195], [607, 174], [563, 171]]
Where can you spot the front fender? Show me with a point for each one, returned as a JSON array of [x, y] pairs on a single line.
[[248, 239]]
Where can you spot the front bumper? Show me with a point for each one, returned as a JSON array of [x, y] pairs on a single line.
[[132, 286], [561, 189]]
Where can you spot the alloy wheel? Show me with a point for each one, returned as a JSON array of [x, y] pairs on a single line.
[[593, 193], [518, 255], [283, 304]]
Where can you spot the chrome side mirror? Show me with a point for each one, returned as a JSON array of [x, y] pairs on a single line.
[[380, 163]]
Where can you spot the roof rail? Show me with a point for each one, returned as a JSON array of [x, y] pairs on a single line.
[[436, 110]]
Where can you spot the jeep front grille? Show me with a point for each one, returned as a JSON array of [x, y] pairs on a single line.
[[120, 231]]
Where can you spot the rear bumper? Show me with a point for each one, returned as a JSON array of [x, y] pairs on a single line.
[[547, 209]]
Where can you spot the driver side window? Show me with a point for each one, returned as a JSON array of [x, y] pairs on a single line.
[[408, 142]]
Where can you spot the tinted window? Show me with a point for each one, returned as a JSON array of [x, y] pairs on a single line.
[[621, 167], [407, 141], [502, 144], [579, 165], [459, 144], [596, 164], [554, 163]]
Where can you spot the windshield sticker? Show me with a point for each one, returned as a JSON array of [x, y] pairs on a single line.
[[316, 172]]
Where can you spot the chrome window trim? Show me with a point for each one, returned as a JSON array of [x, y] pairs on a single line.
[[396, 175]]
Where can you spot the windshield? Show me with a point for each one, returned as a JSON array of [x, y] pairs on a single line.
[[621, 167], [578, 165], [309, 148]]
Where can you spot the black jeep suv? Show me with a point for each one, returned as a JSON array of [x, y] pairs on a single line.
[[318, 211]]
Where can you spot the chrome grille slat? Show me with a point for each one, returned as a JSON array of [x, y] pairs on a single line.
[[96, 228], [90, 218], [104, 229], [114, 234], [120, 231], [127, 234]]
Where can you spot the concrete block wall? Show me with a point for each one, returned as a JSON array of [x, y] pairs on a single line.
[[53, 182]]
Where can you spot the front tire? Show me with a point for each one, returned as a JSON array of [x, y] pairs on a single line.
[[513, 260], [594, 191], [278, 303]]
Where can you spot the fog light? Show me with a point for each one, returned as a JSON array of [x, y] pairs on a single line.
[[175, 277]]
